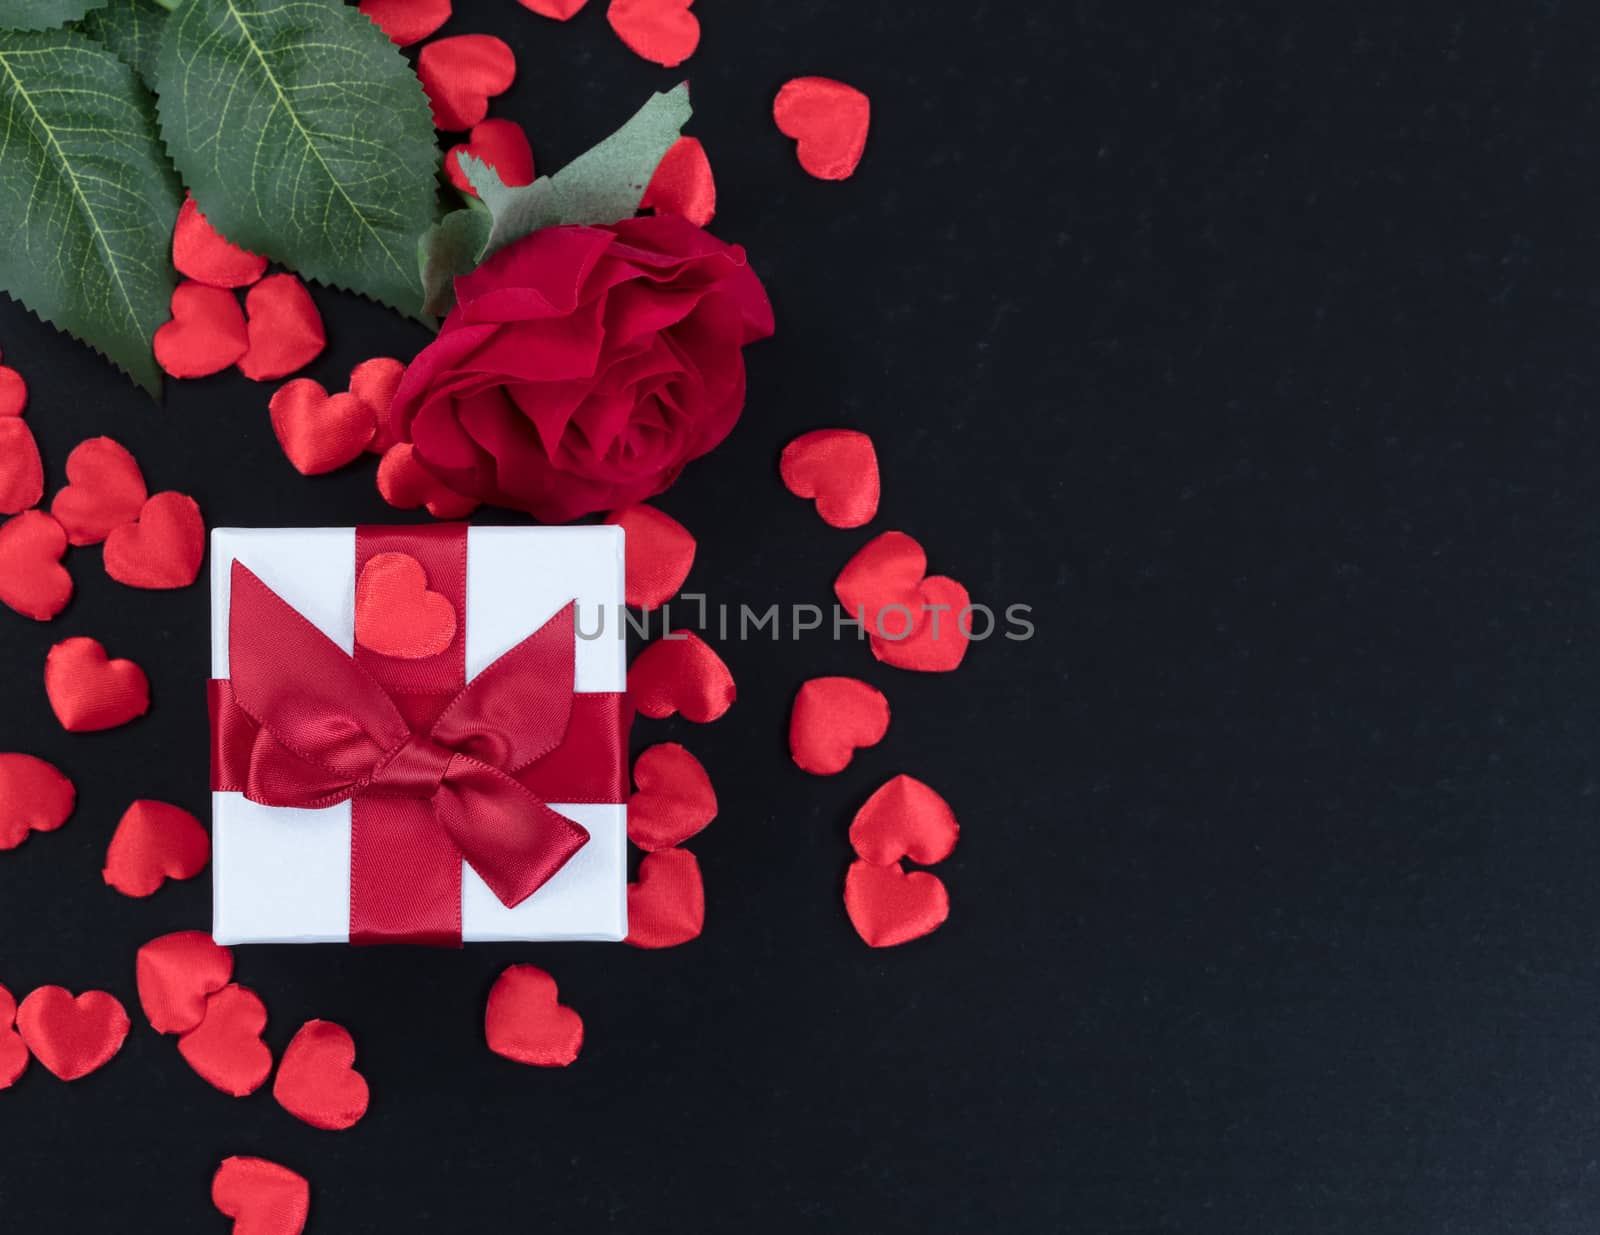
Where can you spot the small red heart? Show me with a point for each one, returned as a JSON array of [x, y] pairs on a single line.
[[939, 642], [317, 1081], [88, 692], [407, 21], [374, 383], [13, 1050], [502, 145], [154, 842], [560, 10], [203, 254], [206, 334], [13, 392], [163, 549], [886, 571], [889, 907], [461, 74], [662, 31], [904, 819], [667, 906], [679, 673], [837, 467], [261, 1197], [320, 432], [34, 797], [283, 327], [829, 120], [674, 798], [659, 551], [832, 719], [225, 1049], [526, 1022], [32, 579], [105, 490], [72, 1037], [176, 973], [396, 614], [405, 484], [912, 621], [683, 184], [21, 469]]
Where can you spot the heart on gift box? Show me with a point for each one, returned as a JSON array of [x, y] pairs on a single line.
[[206, 334], [32, 579], [34, 797], [13, 1050], [104, 490], [659, 552], [662, 31], [317, 1081], [261, 1197], [176, 974], [320, 432], [163, 549], [461, 74], [525, 1020], [225, 1049], [674, 801], [283, 328], [154, 842], [680, 673], [21, 469], [667, 906], [904, 819], [829, 121], [889, 907], [396, 614], [203, 254], [88, 691], [72, 1036], [832, 718], [839, 469]]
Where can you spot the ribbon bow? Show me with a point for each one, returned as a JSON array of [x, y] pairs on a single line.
[[327, 732]]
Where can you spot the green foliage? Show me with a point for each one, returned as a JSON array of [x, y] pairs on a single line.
[[132, 30], [43, 14]]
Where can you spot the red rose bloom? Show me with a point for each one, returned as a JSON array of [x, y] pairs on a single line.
[[582, 367]]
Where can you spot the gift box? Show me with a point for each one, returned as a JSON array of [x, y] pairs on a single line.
[[419, 735]]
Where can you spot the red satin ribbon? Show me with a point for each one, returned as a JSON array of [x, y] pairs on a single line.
[[436, 769]]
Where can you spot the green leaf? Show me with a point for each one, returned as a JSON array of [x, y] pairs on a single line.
[[451, 247], [305, 136], [43, 14], [87, 199], [131, 29]]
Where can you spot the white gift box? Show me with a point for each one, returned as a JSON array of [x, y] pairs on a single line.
[[282, 875]]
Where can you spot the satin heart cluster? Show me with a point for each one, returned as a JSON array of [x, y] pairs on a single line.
[[904, 819], [70, 1035], [276, 332]]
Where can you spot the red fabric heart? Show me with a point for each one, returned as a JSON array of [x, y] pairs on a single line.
[[317, 1081], [829, 120], [176, 974], [154, 842], [13, 1050], [889, 907], [283, 328], [374, 383], [502, 145], [461, 74], [560, 10], [839, 468], [832, 719], [206, 333], [525, 1020], [667, 906], [225, 1049], [396, 614], [21, 469], [674, 798], [34, 797], [681, 674], [88, 692], [163, 550], [939, 641], [261, 1197], [407, 21], [683, 184], [405, 484], [660, 551], [886, 571], [72, 1037], [904, 819], [13, 392], [105, 490], [662, 31], [203, 254], [32, 579], [912, 622], [320, 432]]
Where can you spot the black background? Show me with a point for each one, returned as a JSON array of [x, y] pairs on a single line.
[[1254, 346]]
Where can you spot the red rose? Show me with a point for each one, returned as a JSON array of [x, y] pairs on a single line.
[[582, 367]]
